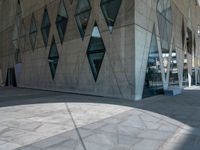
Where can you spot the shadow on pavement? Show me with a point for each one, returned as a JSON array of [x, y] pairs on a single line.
[[184, 108]]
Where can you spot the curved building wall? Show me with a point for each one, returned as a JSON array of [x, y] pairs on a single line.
[[73, 72]]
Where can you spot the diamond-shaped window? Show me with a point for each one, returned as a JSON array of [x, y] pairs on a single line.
[[45, 28], [96, 51], [164, 15], [33, 32], [22, 35], [16, 31], [82, 16], [110, 9], [173, 73], [53, 58], [61, 20]]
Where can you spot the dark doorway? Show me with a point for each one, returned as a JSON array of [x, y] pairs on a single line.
[[11, 78], [193, 77], [198, 77]]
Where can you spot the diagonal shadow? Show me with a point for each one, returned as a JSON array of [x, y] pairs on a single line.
[[184, 109]]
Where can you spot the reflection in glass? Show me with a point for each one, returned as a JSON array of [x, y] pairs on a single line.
[[82, 16], [61, 20], [198, 77], [164, 15], [53, 58], [193, 77], [110, 9], [189, 41], [165, 56], [153, 81], [96, 51], [185, 71], [22, 35], [45, 27], [173, 73], [33, 32]]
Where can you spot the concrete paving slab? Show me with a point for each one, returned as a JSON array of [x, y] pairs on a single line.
[[159, 123]]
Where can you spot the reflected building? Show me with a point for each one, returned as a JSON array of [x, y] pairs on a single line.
[[173, 73], [153, 80]]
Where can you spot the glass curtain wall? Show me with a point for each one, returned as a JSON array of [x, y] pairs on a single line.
[[153, 81]]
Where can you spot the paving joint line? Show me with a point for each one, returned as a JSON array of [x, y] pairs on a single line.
[[76, 128]]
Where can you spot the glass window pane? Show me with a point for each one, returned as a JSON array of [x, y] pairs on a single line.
[[153, 81], [165, 30], [61, 20], [173, 73], [110, 9], [96, 51], [82, 16], [53, 58], [45, 27], [33, 32]]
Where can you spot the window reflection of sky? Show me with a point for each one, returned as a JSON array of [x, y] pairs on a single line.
[[95, 32]]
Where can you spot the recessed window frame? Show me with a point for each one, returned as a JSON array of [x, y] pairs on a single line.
[[33, 45], [45, 27], [80, 26], [53, 59], [153, 84], [114, 20], [93, 52], [63, 20]]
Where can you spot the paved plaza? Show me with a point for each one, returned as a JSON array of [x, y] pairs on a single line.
[[43, 120]]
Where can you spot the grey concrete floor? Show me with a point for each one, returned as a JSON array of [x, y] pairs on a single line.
[[43, 120]]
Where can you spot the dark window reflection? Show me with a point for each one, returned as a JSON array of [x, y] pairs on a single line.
[[33, 32], [189, 41], [185, 71], [82, 16], [193, 77], [45, 29], [153, 81], [110, 10], [173, 74], [53, 58], [198, 77], [96, 51], [61, 20]]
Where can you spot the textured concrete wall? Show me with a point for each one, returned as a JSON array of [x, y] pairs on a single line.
[[145, 18], [116, 77], [123, 69]]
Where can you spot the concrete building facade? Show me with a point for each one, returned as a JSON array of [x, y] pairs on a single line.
[[115, 48]]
